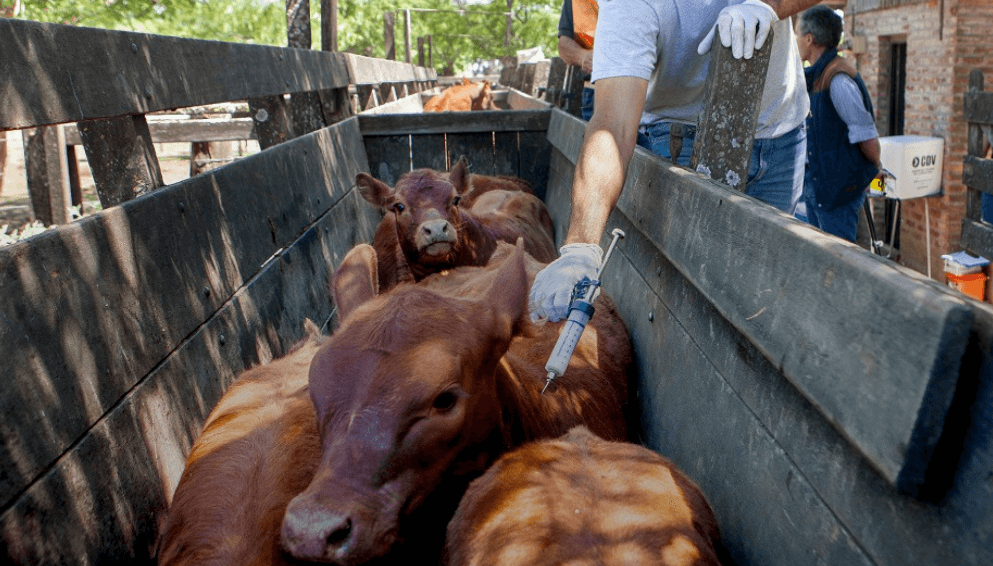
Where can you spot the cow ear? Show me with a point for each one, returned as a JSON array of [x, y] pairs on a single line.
[[507, 297], [375, 191], [459, 175], [355, 281]]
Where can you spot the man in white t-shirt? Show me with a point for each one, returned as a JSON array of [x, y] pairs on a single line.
[[650, 64]]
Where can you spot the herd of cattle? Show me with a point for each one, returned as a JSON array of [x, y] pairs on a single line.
[[417, 431]]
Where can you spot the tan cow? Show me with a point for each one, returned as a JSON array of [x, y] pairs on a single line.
[[580, 499], [258, 449], [422, 388], [463, 98]]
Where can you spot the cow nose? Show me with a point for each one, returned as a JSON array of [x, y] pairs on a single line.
[[318, 535], [436, 230]]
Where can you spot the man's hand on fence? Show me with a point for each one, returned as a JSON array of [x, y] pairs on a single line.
[[744, 28], [552, 288]]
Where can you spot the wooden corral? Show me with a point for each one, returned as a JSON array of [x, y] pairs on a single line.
[[833, 406]]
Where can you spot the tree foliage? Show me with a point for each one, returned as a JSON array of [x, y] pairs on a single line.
[[461, 31]]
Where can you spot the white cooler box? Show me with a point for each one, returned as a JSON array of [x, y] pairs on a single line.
[[916, 162]]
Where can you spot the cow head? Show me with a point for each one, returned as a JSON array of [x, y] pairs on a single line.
[[425, 204], [484, 99], [405, 397]]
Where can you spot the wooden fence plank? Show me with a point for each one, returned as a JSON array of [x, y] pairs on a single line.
[[94, 304], [86, 73], [726, 127], [273, 119], [192, 130], [977, 173], [476, 147], [46, 168], [428, 150], [464, 122], [122, 158], [908, 333], [388, 157]]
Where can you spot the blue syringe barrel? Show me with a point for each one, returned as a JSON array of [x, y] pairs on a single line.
[[580, 312]]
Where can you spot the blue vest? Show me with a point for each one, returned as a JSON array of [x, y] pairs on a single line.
[[837, 172]]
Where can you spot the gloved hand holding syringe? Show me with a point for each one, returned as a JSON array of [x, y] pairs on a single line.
[[580, 311]]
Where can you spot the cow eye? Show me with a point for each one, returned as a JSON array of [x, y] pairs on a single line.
[[399, 208], [456, 200], [445, 401]]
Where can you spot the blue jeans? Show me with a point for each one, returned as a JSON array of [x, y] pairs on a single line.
[[587, 108], [842, 221], [775, 172]]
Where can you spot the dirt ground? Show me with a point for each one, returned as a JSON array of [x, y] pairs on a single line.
[[15, 206]]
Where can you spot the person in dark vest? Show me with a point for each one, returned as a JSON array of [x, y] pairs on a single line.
[[842, 141]]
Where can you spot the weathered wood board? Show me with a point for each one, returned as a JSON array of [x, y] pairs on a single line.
[[93, 307], [514, 145], [191, 130], [84, 73]]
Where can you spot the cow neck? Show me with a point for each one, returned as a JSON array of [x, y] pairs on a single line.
[[479, 243]]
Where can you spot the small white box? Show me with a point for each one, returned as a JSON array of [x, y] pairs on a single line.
[[916, 162]]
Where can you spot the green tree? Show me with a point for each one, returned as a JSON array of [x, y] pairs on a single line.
[[462, 31]]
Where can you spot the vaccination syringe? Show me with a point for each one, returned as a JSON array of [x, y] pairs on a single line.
[[580, 311]]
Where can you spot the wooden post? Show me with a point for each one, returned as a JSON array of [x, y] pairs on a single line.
[[430, 57], [48, 182], [307, 114], [389, 28], [726, 127], [420, 51], [574, 92], [72, 170], [298, 23], [3, 157], [556, 79], [974, 141], [329, 25], [273, 124], [406, 35], [121, 157]]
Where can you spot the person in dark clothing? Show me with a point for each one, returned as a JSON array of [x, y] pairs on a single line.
[[842, 141]]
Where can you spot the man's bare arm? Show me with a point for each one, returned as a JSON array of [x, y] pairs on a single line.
[[603, 160], [575, 54]]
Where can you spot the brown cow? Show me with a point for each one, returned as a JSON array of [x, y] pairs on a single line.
[[258, 449], [580, 499], [430, 231], [463, 98], [421, 388]]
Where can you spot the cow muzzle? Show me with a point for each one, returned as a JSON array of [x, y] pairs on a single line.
[[346, 536], [435, 237]]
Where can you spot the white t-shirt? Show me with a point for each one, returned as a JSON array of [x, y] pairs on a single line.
[[633, 35]]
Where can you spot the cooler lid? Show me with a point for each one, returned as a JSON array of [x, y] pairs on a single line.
[[966, 260]]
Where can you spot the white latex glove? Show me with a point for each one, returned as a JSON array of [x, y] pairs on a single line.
[[743, 28], [552, 288]]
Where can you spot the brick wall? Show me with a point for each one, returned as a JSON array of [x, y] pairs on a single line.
[[945, 41]]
